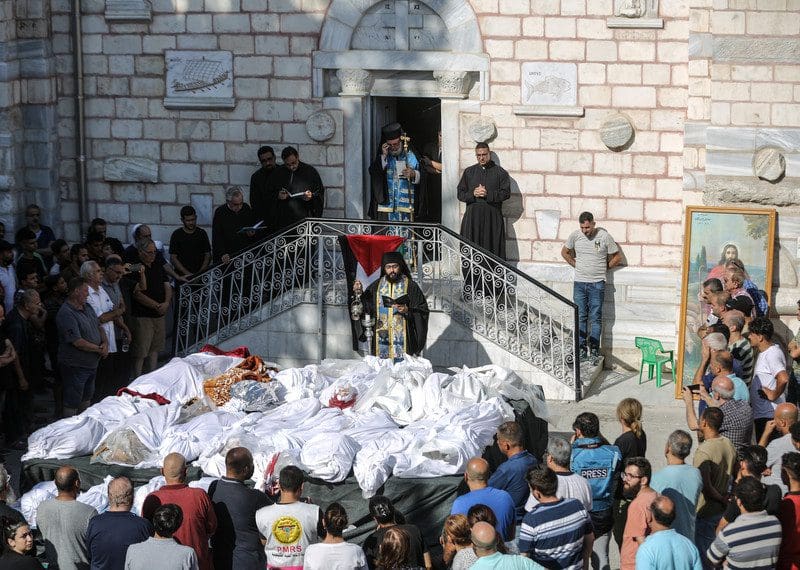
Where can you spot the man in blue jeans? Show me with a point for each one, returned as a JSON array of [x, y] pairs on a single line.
[[591, 251]]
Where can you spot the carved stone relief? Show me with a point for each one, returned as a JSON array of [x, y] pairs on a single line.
[[545, 83], [452, 83], [401, 25], [130, 169], [354, 81], [482, 129], [199, 80], [320, 126], [769, 164], [616, 131], [128, 10], [635, 14]]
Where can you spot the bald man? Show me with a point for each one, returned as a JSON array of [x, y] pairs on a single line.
[[199, 520], [109, 535], [477, 479], [785, 418], [236, 544], [63, 522], [484, 544], [666, 549]]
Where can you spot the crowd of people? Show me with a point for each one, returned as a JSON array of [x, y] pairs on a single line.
[[735, 506], [82, 319]]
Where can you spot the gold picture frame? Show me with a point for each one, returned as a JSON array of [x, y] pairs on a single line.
[[710, 234]]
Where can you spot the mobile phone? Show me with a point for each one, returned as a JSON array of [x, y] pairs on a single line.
[[135, 267], [694, 388]]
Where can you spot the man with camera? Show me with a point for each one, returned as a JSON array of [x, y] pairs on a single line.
[[737, 422]]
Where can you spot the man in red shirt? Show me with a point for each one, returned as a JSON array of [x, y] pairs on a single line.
[[636, 486], [199, 519], [789, 555]]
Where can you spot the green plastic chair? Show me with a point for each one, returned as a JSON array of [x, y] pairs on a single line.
[[654, 355]]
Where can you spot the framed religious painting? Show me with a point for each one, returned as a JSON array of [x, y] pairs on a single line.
[[713, 236]]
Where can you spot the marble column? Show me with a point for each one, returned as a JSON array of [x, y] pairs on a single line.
[[355, 188], [356, 84], [451, 172]]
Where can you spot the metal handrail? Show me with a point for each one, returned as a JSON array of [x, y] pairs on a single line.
[[303, 264]]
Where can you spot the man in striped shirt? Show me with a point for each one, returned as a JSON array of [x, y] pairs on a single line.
[[754, 538], [557, 533]]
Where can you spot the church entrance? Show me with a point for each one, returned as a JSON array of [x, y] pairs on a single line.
[[421, 118]]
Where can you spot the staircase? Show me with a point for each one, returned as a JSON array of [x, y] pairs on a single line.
[[505, 311]]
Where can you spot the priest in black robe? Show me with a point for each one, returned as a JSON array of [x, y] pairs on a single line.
[[261, 201], [396, 193], [484, 187], [297, 189], [401, 327]]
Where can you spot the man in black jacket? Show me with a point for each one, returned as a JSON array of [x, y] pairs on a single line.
[[261, 201], [297, 188], [226, 239]]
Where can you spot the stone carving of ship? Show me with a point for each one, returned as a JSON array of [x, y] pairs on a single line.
[[200, 75]]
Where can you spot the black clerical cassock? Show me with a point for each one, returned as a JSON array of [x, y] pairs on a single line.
[[295, 208], [483, 222]]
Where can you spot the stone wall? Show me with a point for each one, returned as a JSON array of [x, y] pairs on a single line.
[[28, 153], [743, 129], [10, 114], [196, 151], [561, 163], [557, 163]]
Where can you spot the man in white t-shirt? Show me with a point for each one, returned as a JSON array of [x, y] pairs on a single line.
[[570, 485], [591, 251], [108, 314], [770, 377], [289, 526]]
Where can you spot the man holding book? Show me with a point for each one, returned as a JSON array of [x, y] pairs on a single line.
[[297, 188], [399, 308]]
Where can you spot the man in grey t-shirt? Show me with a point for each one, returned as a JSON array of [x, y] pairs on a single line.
[[63, 522], [591, 251]]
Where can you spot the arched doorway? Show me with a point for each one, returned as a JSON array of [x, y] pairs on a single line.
[[399, 49]]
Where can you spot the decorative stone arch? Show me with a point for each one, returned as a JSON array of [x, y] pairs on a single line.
[[347, 71], [344, 15]]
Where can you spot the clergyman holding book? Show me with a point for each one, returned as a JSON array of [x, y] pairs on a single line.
[[399, 308]]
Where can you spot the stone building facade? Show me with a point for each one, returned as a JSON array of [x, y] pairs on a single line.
[[632, 109]]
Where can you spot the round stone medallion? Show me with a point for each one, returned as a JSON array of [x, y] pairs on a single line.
[[482, 129], [769, 164], [320, 126], [616, 131]]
